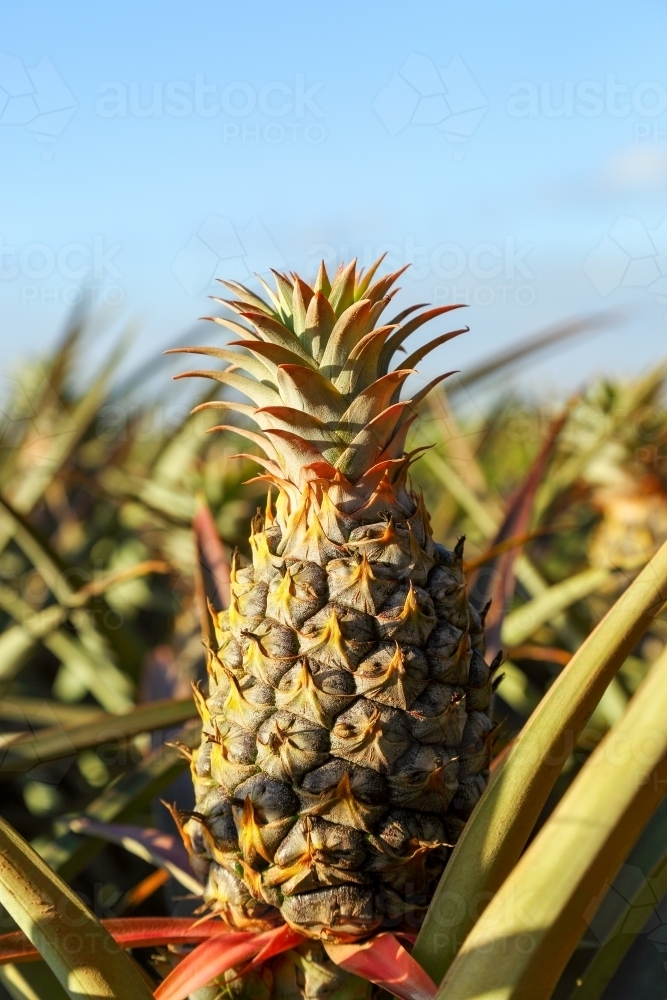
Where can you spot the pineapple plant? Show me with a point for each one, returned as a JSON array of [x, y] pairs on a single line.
[[633, 525], [346, 730]]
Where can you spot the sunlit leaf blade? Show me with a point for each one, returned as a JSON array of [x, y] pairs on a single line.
[[212, 959], [524, 938], [128, 932], [626, 911], [385, 962], [31, 982], [155, 846], [507, 812], [519, 625], [84, 957], [43, 712], [56, 742]]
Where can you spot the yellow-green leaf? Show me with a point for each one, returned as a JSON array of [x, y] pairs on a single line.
[[84, 957], [523, 940], [58, 741]]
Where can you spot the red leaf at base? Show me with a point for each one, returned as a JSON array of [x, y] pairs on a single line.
[[218, 955], [128, 932], [385, 962]]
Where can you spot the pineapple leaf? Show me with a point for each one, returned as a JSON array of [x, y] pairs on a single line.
[[248, 297], [306, 426], [544, 899], [302, 295], [385, 962], [322, 283], [404, 332], [344, 336], [51, 744], [303, 388], [341, 296], [272, 355], [620, 908], [371, 402], [257, 368], [275, 332], [364, 282], [214, 957], [230, 324], [413, 359], [86, 961], [320, 321], [507, 812], [261, 394], [364, 449], [128, 932], [360, 368]]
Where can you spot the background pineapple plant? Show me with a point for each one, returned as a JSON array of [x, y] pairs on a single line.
[[346, 734]]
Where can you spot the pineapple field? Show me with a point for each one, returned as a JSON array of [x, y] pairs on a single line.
[[321, 683]]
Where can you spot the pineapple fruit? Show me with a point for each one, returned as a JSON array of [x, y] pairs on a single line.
[[634, 521], [346, 732]]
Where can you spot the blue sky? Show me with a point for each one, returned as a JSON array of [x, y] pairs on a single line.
[[516, 152]]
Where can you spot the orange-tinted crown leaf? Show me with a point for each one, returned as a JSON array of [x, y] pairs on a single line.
[[248, 297], [322, 283], [413, 360], [382, 286], [308, 390], [371, 402], [369, 443], [261, 395], [301, 298], [273, 353], [401, 335], [252, 365], [364, 283], [341, 295], [349, 329], [275, 332], [320, 321]]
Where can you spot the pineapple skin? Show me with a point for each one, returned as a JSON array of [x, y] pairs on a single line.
[[346, 731]]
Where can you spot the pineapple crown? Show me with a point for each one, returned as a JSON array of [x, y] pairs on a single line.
[[326, 403]]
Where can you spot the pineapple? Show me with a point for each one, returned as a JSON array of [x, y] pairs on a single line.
[[346, 734], [634, 521]]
